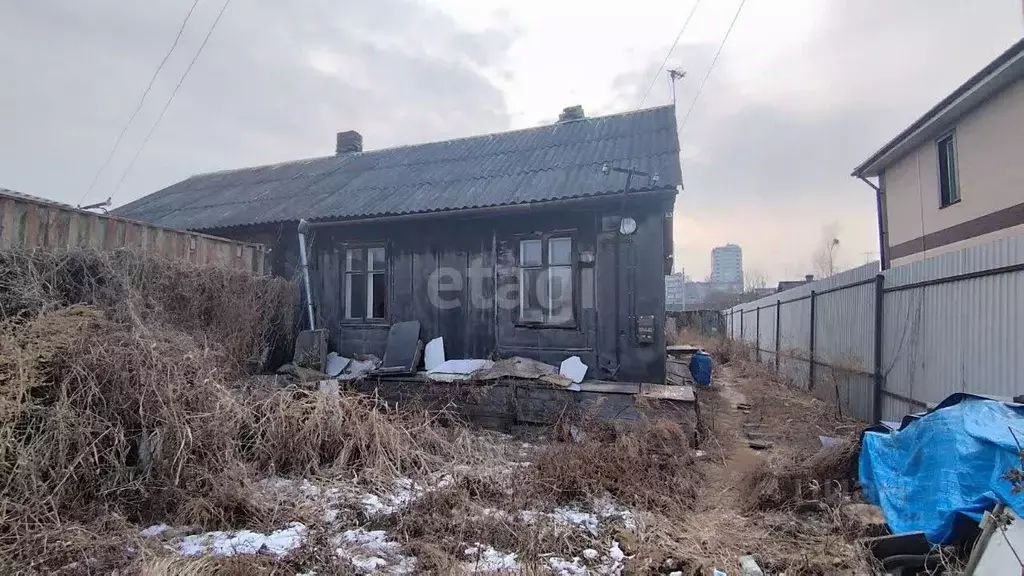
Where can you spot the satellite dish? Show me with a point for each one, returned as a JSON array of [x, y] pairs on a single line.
[[627, 226]]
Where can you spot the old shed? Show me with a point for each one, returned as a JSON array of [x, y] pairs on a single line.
[[545, 242]]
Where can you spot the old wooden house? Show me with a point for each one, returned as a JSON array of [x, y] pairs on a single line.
[[544, 242]]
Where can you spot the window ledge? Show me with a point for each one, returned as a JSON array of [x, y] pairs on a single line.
[[542, 325], [953, 203], [356, 323]]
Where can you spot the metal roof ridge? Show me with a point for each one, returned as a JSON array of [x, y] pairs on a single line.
[[432, 143]]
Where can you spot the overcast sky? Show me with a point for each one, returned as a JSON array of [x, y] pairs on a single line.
[[803, 91]]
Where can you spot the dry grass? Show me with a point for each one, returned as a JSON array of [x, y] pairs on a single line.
[[788, 481], [248, 317], [115, 402], [646, 465]]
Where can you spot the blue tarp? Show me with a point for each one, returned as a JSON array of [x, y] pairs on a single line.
[[946, 462]]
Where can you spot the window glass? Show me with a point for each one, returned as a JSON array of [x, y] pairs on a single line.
[[354, 260], [559, 294], [378, 296], [355, 296], [530, 253], [531, 284], [560, 251], [949, 189], [376, 258]]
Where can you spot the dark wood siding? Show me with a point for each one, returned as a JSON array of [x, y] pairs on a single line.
[[472, 323]]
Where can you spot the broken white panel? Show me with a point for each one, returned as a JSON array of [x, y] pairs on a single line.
[[434, 353], [335, 364], [999, 555], [573, 368], [457, 370]]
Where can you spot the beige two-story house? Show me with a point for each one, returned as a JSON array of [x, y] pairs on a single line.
[[955, 177]]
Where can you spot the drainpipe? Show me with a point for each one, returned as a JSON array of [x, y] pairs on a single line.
[[303, 229], [880, 209]]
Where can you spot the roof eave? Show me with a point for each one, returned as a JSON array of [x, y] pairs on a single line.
[[496, 210], [996, 76]]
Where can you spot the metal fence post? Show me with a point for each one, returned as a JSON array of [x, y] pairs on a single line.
[[810, 368], [743, 335], [757, 337], [778, 332], [879, 319]]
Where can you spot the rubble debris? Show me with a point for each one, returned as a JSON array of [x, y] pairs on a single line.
[[573, 368], [453, 370], [517, 367], [335, 364], [401, 349], [750, 567], [558, 380], [300, 374], [434, 354], [359, 367]]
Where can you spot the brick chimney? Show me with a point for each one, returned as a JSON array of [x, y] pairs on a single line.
[[570, 113], [349, 141]]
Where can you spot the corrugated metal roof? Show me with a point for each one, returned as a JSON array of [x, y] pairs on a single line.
[[37, 199], [553, 162]]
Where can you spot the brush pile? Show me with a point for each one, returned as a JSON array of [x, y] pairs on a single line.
[[647, 464], [116, 403], [787, 482]]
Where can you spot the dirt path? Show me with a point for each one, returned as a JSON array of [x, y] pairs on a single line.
[[721, 529], [736, 455]]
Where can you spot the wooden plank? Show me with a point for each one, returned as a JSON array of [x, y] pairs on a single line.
[[663, 392], [604, 387]]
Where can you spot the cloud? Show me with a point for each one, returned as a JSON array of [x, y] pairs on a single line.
[[275, 82], [768, 149]]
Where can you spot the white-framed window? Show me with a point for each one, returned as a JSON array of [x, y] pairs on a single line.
[[949, 172], [546, 280], [366, 283]]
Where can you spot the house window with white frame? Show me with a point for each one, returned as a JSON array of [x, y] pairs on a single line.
[[366, 282], [949, 172], [546, 281]]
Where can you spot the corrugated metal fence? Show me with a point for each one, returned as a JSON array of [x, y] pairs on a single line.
[[882, 345], [30, 222]]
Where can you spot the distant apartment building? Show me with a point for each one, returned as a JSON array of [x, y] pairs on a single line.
[[675, 291], [727, 268], [955, 177]]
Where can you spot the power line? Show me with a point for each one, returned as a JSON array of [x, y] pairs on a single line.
[[712, 67], [171, 98], [669, 53], [138, 107]]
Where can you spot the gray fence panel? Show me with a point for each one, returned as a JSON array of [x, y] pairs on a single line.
[[966, 335], [795, 341]]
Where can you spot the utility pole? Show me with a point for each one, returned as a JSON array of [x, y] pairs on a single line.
[[677, 74]]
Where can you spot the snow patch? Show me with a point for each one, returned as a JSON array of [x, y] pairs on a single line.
[[154, 530], [490, 561], [371, 552], [218, 543], [611, 563], [563, 567]]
